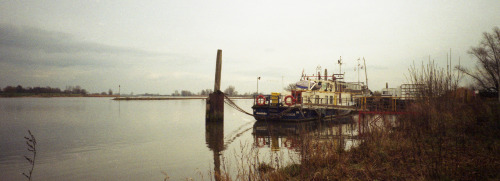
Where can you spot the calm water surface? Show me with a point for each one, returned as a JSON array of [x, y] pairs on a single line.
[[102, 139]]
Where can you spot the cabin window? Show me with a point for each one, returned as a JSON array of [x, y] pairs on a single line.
[[326, 99], [316, 100], [331, 99], [307, 99]]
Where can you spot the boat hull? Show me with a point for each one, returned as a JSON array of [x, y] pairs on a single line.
[[295, 114]]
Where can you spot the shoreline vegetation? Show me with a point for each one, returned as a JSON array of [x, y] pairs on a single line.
[[442, 140]]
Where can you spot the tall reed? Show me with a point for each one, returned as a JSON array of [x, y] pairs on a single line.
[[31, 143]]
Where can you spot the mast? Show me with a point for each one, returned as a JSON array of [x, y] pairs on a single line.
[[366, 76], [340, 64], [358, 71]]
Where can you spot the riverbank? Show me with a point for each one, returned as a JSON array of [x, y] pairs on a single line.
[[167, 98], [444, 139]]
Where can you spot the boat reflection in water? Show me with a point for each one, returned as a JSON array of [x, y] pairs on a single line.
[[286, 139], [288, 135]]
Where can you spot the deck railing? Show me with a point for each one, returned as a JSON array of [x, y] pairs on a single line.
[[394, 104], [371, 103]]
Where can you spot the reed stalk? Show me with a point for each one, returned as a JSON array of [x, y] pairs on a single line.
[[31, 146]]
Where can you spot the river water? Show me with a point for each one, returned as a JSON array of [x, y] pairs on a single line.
[[102, 139]]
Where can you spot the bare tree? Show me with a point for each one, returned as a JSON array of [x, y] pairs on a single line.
[[291, 87], [205, 92], [487, 70], [230, 91], [186, 93]]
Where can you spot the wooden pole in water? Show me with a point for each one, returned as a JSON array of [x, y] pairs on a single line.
[[218, 67], [215, 101]]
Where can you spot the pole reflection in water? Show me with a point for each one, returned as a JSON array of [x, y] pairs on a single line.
[[290, 135], [214, 137]]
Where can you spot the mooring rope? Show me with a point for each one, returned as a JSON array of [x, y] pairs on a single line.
[[233, 105]]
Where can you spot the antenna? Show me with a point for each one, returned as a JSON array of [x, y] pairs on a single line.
[[366, 75], [340, 64], [358, 69]]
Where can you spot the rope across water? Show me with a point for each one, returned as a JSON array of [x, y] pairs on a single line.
[[233, 105]]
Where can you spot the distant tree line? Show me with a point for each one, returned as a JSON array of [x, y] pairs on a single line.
[[78, 90], [183, 93], [230, 91], [43, 90], [206, 92], [69, 90]]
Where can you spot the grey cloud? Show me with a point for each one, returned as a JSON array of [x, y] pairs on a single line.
[[57, 42], [37, 58], [28, 46]]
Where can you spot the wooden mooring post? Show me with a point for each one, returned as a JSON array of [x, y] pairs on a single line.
[[215, 101]]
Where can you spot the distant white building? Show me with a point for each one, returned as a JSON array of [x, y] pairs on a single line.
[[405, 91], [391, 92]]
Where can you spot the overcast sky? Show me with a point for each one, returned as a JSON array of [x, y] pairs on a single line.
[[163, 46]]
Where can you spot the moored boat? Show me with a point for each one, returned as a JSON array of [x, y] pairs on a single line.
[[315, 97]]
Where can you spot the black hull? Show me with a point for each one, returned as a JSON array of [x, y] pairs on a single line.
[[295, 114]]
